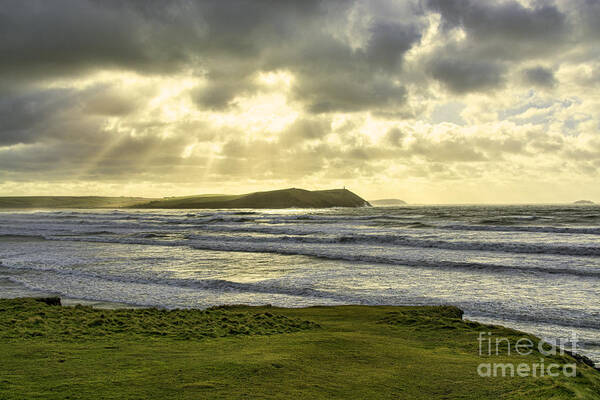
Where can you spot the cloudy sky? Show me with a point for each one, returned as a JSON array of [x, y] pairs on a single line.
[[432, 101]]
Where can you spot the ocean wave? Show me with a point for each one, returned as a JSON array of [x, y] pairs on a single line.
[[535, 229], [204, 284], [20, 236], [316, 236], [339, 251], [506, 247], [387, 259]]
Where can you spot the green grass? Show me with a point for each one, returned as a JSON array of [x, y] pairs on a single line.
[[347, 352], [25, 318]]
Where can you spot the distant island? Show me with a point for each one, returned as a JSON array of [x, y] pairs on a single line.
[[584, 202], [388, 202], [285, 198]]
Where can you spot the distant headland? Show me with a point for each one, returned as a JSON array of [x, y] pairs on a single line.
[[584, 202], [388, 202], [28, 202], [285, 198]]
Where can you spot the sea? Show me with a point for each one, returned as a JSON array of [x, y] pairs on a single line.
[[530, 267]]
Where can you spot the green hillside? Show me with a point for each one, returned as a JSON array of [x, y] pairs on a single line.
[[285, 198]]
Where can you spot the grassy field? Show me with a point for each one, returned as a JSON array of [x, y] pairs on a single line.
[[347, 352]]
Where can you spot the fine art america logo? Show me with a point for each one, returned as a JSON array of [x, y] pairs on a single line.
[[492, 346]]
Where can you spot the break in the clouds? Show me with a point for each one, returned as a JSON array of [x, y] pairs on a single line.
[[431, 101]]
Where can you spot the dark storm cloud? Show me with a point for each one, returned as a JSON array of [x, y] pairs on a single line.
[[461, 76], [588, 12], [347, 93], [224, 83], [334, 77], [37, 115], [218, 95], [497, 36], [389, 42], [42, 39], [226, 42], [503, 21], [64, 36], [23, 113], [540, 77]]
